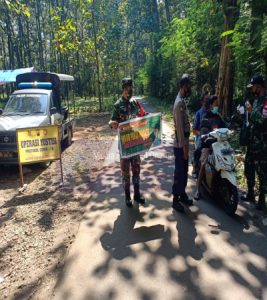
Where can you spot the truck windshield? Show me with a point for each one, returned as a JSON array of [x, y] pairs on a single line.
[[26, 104]]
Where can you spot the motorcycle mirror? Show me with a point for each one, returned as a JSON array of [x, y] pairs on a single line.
[[53, 110]]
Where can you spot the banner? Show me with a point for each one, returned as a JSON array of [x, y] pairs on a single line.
[[38, 144], [139, 135]]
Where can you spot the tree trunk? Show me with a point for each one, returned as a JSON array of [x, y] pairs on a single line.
[[28, 47], [10, 43], [155, 14], [167, 10], [39, 34], [20, 44], [257, 11], [225, 84], [4, 56], [97, 62]]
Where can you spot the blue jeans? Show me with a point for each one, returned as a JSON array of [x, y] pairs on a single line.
[[180, 172]]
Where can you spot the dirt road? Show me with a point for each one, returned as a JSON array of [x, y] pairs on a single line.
[[153, 252], [38, 226], [58, 244]]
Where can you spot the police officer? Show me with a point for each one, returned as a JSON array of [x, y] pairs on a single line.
[[181, 145], [258, 139], [124, 109]]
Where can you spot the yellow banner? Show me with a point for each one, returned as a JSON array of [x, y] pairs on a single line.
[[38, 144]]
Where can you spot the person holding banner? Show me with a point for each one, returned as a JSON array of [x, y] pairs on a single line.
[[124, 109], [181, 145]]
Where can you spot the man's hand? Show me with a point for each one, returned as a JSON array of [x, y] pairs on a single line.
[[196, 132], [240, 109], [186, 151], [114, 124]]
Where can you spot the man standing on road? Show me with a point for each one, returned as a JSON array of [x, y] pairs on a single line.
[[181, 145], [258, 138], [124, 109], [196, 130]]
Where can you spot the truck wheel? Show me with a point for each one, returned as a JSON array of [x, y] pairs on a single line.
[[229, 196], [45, 164], [68, 139]]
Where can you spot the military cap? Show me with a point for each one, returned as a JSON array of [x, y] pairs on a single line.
[[256, 79], [127, 82]]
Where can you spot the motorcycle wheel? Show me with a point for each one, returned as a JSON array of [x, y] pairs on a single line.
[[229, 196]]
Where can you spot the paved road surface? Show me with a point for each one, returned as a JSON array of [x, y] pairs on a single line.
[[155, 253]]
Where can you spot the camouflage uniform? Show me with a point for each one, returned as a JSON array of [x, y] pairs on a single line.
[[257, 148], [250, 170], [125, 110]]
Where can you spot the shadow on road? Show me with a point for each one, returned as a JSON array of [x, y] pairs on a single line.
[[187, 243]]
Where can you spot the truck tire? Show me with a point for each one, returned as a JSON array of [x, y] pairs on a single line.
[[45, 165], [68, 140]]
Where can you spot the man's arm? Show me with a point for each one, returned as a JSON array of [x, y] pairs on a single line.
[[114, 120], [178, 122], [196, 125], [141, 111]]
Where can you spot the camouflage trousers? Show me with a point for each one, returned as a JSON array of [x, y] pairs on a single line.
[[256, 166], [134, 164]]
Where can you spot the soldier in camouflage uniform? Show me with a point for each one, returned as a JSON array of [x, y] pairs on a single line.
[[124, 109], [258, 140], [250, 170]]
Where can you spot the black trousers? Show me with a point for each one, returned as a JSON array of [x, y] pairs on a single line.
[[180, 172]]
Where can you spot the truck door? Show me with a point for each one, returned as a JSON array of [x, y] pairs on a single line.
[[55, 115]]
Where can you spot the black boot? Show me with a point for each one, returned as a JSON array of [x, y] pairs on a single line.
[[128, 200], [261, 205], [250, 197], [176, 204], [184, 199], [137, 196]]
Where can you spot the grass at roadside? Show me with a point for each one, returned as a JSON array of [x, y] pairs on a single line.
[[162, 106], [2, 103], [86, 105], [83, 106]]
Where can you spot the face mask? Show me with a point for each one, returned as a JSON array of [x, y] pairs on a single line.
[[188, 92], [130, 93], [215, 110]]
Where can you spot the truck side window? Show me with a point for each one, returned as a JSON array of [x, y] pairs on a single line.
[[54, 102]]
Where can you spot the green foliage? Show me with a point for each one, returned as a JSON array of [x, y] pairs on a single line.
[[161, 106], [263, 48], [84, 106], [17, 7], [226, 33], [241, 52], [113, 39], [189, 44]]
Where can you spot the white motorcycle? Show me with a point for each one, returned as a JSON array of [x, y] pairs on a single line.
[[220, 179]]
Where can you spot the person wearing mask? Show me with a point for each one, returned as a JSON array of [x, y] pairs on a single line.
[[125, 109], [211, 120], [249, 163], [181, 145], [196, 132], [257, 146]]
